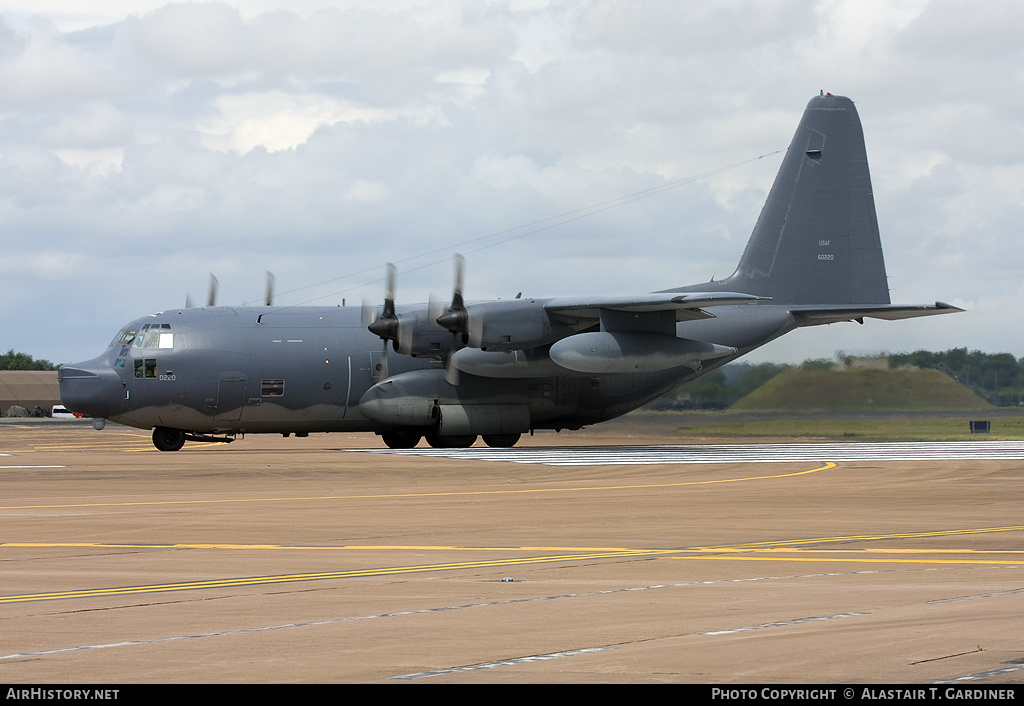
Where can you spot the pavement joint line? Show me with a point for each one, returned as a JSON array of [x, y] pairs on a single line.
[[438, 609], [465, 493]]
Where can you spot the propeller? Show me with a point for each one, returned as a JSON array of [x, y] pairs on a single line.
[[211, 298], [456, 318], [386, 324], [269, 299]]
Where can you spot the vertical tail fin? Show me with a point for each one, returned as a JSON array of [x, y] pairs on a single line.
[[816, 240]]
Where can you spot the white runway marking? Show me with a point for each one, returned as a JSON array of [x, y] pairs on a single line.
[[503, 663], [421, 611], [727, 453], [783, 624]]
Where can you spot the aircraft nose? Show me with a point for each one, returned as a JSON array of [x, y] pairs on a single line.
[[88, 388]]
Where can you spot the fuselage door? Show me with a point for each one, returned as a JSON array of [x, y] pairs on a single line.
[[230, 399]]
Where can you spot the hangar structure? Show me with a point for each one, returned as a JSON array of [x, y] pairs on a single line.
[[28, 389]]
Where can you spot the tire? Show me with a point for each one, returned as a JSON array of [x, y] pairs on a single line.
[[400, 439], [167, 439], [450, 442], [501, 441]]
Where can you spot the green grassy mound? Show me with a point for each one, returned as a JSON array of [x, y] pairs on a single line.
[[861, 390]]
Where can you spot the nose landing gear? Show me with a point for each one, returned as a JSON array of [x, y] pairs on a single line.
[[167, 439]]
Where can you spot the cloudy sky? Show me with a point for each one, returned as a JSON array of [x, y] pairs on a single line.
[[145, 145]]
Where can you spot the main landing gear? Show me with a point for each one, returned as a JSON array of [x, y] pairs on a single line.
[[409, 439]]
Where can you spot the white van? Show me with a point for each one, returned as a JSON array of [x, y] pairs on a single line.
[[59, 411]]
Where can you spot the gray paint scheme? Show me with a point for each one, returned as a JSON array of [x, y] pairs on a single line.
[[506, 367]]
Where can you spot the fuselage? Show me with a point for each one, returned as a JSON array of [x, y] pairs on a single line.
[[500, 368], [236, 370]]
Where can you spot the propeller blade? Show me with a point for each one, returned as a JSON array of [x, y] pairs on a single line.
[[270, 288], [211, 299], [474, 335], [188, 301], [390, 274], [435, 307], [456, 319], [370, 312], [403, 344], [386, 325], [460, 266], [384, 361]]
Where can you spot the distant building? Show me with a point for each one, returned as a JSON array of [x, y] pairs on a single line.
[[29, 389]]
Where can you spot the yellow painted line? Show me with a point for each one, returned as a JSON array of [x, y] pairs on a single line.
[[289, 578], [461, 493], [864, 537], [869, 550], [739, 553], [353, 547], [388, 571], [825, 554], [866, 560]]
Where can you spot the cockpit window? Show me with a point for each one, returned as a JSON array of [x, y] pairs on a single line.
[[153, 336], [124, 337]]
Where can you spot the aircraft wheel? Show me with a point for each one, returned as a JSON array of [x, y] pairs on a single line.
[[400, 439], [501, 441], [460, 442], [450, 442], [167, 439]]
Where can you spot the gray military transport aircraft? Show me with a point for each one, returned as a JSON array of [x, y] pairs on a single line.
[[502, 368]]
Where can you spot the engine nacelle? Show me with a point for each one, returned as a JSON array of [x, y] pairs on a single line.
[[417, 399], [620, 352], [409, 399], [459, 420], [512, 324], [419, 335]]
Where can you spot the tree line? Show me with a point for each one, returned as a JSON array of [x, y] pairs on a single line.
[[996, 377], [23, 361]]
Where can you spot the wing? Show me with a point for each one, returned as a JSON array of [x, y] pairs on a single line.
[[637, 333], [685, 307], [817, 315]]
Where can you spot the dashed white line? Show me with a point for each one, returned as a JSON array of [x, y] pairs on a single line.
[[502, 663], [798, 621], [398, 614]]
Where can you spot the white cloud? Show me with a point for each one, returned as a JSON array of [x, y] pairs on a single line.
[[39, 67], [368, 191], [321, 139], [94, 124], [278, 120], [100, 162]]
